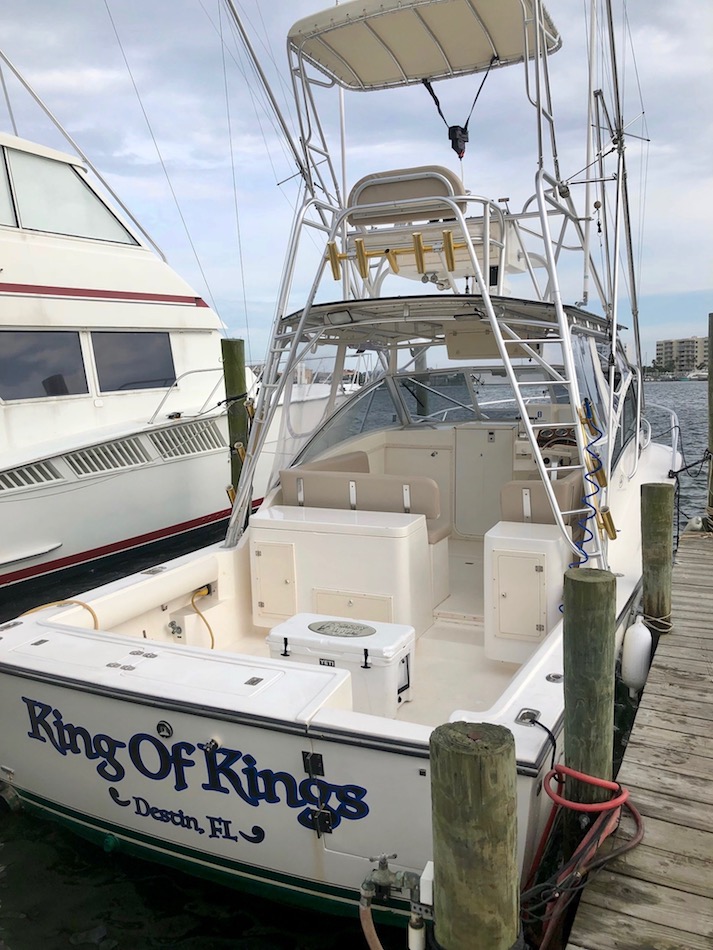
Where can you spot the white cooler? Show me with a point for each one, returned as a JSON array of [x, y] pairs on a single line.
[[378, 655]]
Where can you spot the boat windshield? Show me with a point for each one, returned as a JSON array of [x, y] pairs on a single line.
[[432, 397]]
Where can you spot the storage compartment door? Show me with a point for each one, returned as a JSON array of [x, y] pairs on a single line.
[[519, 580], [274, 590]]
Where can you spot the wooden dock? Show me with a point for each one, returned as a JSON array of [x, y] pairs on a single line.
[[659, 896]]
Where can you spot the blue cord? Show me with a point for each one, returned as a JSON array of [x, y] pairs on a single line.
[[589, 477]]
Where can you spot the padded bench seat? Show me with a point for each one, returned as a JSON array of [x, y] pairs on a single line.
[[364, 491], [526, 499]]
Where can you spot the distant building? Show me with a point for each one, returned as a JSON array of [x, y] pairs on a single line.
[[682, 356]]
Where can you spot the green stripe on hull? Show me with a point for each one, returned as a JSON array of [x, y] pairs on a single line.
[[268, 883]]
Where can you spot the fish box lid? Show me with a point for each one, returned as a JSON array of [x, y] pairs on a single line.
[[318, 634]]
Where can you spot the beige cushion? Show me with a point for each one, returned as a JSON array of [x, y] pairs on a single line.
[[404, 184], [364, 491], [568, 491]]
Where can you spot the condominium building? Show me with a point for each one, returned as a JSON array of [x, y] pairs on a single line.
[[682, 356]]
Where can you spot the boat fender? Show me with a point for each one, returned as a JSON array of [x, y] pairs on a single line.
[[636, 656]]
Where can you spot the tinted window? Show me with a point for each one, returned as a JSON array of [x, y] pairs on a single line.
[[52, 196], [133, 360], [38, 363]]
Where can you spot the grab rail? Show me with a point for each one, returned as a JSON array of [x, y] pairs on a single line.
[[675, 429], [174, 384]]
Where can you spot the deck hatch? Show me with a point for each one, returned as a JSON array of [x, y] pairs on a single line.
[[190, 438], [27, 476], [111, 457]]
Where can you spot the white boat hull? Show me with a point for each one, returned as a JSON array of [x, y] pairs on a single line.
[[209, 788]]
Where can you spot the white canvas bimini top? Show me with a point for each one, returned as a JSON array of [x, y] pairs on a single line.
[[375, 44]]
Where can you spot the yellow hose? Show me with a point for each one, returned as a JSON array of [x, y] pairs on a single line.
[[202, 592], [64, 603]]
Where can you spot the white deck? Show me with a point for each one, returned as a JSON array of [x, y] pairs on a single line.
[[451, 669]]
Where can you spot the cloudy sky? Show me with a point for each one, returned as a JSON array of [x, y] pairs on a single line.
[[179, 129]]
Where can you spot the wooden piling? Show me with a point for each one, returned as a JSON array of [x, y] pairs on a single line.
[[657, 555], [589, 663], [235, 385], [474, 799]]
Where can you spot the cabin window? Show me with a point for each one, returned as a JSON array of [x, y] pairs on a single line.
[[35, 364], [7, 211], [133, 360], [53, 196]]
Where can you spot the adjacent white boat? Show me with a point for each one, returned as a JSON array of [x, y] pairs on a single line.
[[112, 407], [259, 711], [112, 398]]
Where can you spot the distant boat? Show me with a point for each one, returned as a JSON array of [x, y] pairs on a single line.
[[698, 374]]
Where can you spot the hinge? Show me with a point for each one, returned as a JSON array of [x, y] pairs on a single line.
[[539, 568], [321, 821], [313, 763]]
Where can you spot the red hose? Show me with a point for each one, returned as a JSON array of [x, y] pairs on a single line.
[[562, 770]]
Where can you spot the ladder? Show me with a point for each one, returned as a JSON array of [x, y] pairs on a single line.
[[508, 338]]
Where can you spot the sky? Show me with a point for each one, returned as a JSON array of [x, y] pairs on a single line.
[[177, 126]]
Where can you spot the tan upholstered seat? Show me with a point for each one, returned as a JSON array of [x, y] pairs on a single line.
[[364, 491], [401, 185], [526, 500]]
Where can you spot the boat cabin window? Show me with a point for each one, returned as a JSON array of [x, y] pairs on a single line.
[[128, 360], [7, 211], [39, 363], [52, 196]]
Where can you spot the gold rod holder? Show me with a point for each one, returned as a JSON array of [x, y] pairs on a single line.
[[419, 252], [362, 262], [392, 259], [449, 250], [608, 523], [599, 474], [334, 256]]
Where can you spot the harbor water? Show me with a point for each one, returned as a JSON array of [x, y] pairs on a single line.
[[57, 891]]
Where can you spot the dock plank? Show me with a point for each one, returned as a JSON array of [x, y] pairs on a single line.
[[690, 914], [677, 721], [654, 803], [659, 896], [688, 742]]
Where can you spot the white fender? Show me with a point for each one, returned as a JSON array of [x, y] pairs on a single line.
[[636, 656]]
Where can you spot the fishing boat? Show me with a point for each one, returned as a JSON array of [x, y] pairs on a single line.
[[259, 711]]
